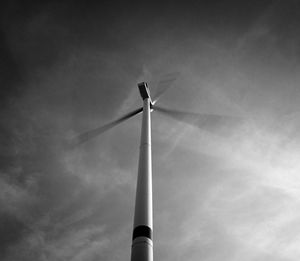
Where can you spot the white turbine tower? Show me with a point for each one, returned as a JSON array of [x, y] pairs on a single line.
[[142, 245], [142, 236]]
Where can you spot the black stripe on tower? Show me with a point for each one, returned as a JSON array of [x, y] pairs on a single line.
[[142, 231]]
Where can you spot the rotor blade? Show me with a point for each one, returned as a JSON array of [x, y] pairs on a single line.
[[165, 84], [85, 136], [210, 122]]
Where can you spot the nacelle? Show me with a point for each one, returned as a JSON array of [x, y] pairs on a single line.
[[144, 91]]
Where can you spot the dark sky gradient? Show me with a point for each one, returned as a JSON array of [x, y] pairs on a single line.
[[69, 67]]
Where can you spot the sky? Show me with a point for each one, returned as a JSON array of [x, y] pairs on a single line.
[[68, 67]]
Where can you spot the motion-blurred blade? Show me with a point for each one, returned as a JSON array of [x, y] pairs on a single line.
[[209, 122], [83, 137], [165, 84]]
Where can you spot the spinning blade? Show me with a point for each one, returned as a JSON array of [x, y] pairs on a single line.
[[85, 136], [165, 84], [209, 122]]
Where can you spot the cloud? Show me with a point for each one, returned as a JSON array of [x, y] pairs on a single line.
[[71, 68]]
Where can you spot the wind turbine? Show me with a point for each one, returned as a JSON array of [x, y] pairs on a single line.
[[142, 236]]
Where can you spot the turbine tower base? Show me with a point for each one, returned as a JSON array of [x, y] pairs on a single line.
[[142, 249]]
